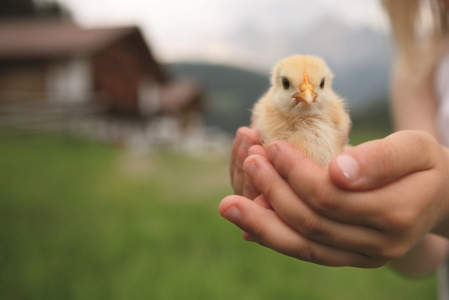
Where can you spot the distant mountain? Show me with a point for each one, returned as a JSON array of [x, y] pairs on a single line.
[[231, 92]]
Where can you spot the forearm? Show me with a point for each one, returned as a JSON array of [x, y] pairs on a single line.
[[413, 104], [424, 258]]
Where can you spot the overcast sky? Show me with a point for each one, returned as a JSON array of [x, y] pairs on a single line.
[[200, 29]]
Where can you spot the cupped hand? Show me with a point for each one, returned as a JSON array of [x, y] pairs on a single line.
[[376, 201]]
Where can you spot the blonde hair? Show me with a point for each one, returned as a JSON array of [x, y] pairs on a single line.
[[420, 28]]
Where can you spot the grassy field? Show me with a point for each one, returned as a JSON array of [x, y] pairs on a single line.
[[84, 221]]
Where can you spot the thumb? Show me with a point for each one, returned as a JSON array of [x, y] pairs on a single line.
[[376, 163]]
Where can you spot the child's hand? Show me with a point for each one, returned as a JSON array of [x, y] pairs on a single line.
[[373, 205]]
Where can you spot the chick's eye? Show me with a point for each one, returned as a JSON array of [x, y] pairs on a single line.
[[285, 83], [322, 83]]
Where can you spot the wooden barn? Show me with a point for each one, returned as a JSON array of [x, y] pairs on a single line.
[[57, 62]]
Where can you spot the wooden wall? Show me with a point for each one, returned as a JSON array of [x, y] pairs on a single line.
[[118, 70]]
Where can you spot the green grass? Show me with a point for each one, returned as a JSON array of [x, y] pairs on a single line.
[[84, 221]]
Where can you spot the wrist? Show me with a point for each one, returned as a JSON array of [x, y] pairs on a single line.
[[423, 258]]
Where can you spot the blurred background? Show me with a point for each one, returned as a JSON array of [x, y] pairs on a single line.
[[116, 120]]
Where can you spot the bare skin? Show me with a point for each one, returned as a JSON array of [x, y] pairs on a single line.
[[395, 196]]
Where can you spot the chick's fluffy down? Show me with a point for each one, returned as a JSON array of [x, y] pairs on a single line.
[[319, 129]]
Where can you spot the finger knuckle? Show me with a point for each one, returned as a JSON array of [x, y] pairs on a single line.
[[392, 253], [241, 131], [247, 237], [373, 248], [389, 250], [400, 220], [310, 226], [380, 252], [423, 143], [248, 185], [249, 190], [270, 193], [259, 231], [306, 253], [321, 199]]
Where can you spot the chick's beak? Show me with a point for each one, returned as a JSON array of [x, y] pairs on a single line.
[[307, 94]]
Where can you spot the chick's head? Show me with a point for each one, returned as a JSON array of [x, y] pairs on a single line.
[[301, 85]]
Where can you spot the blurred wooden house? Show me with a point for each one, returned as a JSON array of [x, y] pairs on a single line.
[[58, 62]]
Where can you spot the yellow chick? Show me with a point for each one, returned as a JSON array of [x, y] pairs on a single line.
[[301, 108]]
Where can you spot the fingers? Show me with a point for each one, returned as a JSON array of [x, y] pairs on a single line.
[[245, 138], [376, 163], [302, 218], [370, 207], [313, 185], [249, 190], [400, 211], [267, 228], [257, 149], [262, 201]]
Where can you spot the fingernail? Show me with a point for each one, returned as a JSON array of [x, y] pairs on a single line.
[[272, 152], [232, 214], [348, 166], [250, 168]]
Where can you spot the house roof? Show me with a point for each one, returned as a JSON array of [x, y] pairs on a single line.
[[37, 39]]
